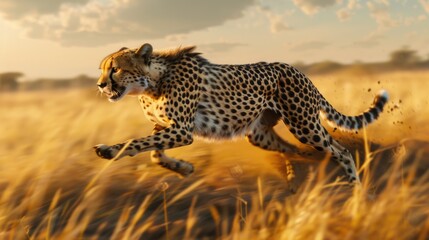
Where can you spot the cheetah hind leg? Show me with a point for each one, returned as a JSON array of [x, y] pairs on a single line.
[[179, 166], [320, 139], [282, 163], [264, 136]]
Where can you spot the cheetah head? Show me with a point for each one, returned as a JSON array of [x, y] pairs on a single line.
[[126, 72]]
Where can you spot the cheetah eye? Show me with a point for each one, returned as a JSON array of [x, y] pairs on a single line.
[[115, 69]]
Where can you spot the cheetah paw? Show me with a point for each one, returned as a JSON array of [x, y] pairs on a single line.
[[291, 184], [185, 169], [104, 151]]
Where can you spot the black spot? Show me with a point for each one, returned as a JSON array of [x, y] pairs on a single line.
[[374, 112], [380, 104], [367, 116], [316, 138], [359, 123], [320, 149], [325, 143], [305, 130], [167, 136], [286, 121], [296, 99]]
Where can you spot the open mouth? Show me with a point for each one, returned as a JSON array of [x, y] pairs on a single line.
[[117, 92]]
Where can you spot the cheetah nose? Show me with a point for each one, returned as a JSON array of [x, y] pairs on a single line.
[[102, 85]]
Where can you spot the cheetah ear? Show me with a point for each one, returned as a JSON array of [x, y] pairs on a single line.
[[123, 48], [145, 51]]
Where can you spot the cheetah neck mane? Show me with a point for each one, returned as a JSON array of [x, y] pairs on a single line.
[[177, 54]]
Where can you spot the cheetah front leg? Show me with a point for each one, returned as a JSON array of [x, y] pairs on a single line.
[[159, 157], [167, 138]]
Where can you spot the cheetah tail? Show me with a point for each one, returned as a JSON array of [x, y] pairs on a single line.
[[353, 123]]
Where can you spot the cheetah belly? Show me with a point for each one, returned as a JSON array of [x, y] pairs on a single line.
[[209, 124]]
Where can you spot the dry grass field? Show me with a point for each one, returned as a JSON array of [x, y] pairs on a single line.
[[53, 186]]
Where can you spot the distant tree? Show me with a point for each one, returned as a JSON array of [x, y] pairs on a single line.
[[404, 58], [9, 81], [300, 66], [425, 63], [324, 67], [83, 81]]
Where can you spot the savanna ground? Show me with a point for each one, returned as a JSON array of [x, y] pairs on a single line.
[[53, 186]]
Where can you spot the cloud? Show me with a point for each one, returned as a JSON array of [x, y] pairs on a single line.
[[219, 46], [311, 7], [277, 24], [313, 45], [16, 9], [176, 37], [408, 21], [380, 12], [345, 13], [425, 5], [97, 22], [372, 40]]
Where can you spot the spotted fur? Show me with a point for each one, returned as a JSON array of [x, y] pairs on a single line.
[[185, 95]]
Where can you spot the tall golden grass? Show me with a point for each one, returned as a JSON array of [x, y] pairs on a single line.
[[52, 185]]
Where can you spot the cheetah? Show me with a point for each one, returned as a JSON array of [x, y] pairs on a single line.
[[185, 95]]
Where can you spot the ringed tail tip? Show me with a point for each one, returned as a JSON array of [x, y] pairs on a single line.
[[383, 94]]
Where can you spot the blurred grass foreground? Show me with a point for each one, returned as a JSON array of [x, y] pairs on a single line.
[[52, 185]]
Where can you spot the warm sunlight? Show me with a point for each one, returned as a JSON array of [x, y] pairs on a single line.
[[65, 38], [324, 136]]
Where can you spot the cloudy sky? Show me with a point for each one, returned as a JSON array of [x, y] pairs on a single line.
[[65, 38]]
